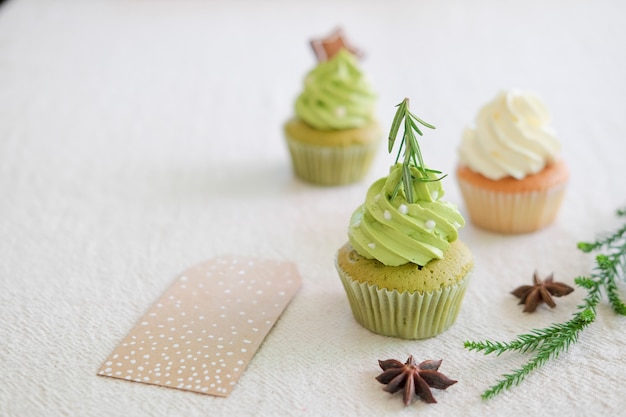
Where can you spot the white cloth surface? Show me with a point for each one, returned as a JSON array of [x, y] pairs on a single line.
[[139, 138]]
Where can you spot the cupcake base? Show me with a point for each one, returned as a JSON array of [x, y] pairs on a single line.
[[408, 314], [331, 157], [514, 206]]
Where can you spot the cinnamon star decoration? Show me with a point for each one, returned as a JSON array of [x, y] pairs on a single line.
[[540, 292], [328, 47], [414, 379]]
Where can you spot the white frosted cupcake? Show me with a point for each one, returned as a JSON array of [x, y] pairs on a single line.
[[509, 171]]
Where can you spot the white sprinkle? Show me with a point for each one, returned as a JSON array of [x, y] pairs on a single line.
[[403, 209], [387, 215], [372, 245], [340, 111], [430, 224], [434, 194]]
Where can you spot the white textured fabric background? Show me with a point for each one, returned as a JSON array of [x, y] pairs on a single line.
[[139, 138]]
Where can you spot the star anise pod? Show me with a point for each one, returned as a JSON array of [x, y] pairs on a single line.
[[414, 379], [541, 292]]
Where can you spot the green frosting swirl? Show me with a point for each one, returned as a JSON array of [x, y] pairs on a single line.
[[396, 232], [336, 95]]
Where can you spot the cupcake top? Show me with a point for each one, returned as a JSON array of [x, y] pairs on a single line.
[[512, 138], [435, 275], [337, 95], [403, 218]]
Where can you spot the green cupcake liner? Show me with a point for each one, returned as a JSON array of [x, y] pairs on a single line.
[[331, 165], [406, 315]]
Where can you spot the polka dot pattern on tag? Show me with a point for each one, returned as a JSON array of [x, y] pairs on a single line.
[[202, 332]]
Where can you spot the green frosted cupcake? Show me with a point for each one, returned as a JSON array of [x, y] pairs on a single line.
[[404, 270], [334, 136]]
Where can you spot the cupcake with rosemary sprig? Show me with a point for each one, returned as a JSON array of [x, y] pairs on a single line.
[[334, 135], [510, 173], [404, 269]]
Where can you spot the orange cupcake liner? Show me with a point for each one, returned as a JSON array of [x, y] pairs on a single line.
[[512, 213]]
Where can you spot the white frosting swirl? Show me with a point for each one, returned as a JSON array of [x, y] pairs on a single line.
[[511, 138]]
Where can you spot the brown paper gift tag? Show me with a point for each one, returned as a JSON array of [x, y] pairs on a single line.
[[202, 332]]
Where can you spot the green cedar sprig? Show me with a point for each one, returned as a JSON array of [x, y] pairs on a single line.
[[548, 343], [410, 145]]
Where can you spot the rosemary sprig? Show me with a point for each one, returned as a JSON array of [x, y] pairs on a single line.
[[548, 343], [412, 153]]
